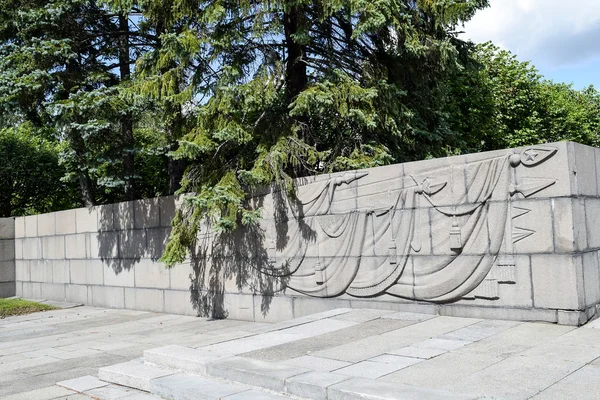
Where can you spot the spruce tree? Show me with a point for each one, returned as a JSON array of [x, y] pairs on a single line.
[[294, 88]]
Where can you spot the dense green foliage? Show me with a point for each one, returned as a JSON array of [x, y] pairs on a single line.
[[123, 99], [498, 102], [30, 174]]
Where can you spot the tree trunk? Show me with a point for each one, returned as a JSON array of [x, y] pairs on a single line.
[[175, 168], [126, 120], [77, 142], [295, 71], [85, 184], [174, 125]]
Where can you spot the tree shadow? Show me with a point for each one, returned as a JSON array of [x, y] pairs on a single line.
[[236, 263], [129, 232], [241, 259]]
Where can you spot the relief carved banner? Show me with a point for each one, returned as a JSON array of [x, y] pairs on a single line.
[[438, 235]]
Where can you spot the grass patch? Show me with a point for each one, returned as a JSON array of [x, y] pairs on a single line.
[[10, 307]]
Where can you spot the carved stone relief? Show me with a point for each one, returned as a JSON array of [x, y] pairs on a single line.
[[437, 235]]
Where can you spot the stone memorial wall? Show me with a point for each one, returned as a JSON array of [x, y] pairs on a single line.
[[7, 257], [510, 234]]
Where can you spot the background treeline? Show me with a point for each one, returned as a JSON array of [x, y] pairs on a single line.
[[103, 101]]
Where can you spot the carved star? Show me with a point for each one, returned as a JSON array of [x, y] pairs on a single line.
[[531, 155]]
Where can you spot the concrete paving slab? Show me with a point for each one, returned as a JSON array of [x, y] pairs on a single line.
[[82, 384], [364, 349], [253, 372], [476, 332], [110, 392], [442, 371], [251, 343], [543, 359], [67, 355], [441, 344], [579, 337], [313, 385], [140, 396], [516, 378], [363, 315], [133, 374], [255, 395], [316, 363], [331, 340], [193, 387], [182, 358], [371, 369], [397, 361], [409, 316], [47, 393], [562, 352], [360, 389], [417, 352], [582, 384], [26, 363]]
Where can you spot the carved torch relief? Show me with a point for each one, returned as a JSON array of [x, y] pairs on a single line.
[[443, 235]]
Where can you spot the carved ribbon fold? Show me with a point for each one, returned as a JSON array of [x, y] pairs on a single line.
[[351, 253]]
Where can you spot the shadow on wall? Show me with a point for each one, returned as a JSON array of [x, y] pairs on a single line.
[[234, 262], [131, 231], [241, 260]]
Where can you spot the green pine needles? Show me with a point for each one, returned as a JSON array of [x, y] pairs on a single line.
[[221, 99]]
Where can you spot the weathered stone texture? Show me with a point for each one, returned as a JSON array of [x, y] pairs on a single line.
[[8, 255], [505, 234]]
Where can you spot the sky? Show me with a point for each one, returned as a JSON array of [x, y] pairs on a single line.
[[560, 37]]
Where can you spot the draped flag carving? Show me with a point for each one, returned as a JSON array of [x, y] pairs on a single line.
[[431, 235]]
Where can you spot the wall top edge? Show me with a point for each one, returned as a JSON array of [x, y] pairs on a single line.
[[441, 161]]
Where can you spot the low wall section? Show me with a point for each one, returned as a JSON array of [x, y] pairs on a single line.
[[510, 234], [7, 257]]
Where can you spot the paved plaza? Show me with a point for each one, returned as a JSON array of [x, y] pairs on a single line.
[[344, 352], [38, 350]]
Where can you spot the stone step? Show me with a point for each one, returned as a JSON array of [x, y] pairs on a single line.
[[266, 375], [134, 374], [182, 358], [193, 387], [271, 376], [372, 389], [180, 373]]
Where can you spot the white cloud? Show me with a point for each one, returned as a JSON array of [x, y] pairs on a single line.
[[552, 33]]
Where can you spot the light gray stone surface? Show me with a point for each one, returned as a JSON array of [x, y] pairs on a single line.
[[359, 389], [192, 387], [181, 358], [66, 222], [417, 352], [255, 395], [46, 224], [503, 359], [8, 273], [253, 372], [82, 384], [133, 374], [316, 363], [86, 220], [7, 228], [313, 385], [544, 237], [51, 392], [376, 368]]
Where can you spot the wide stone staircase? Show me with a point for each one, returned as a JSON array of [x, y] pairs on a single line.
[[183, 373], [218, 371]]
